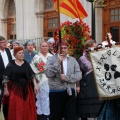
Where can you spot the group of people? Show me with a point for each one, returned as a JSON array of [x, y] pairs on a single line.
[[49, 84]]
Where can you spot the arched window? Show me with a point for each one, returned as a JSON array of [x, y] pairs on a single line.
[[11, 18], [11, 9]]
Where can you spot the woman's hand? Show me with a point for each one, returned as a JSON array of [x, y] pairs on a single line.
[[6, 92], [35, 88]]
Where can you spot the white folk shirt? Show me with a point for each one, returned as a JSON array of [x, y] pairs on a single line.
[[4, 57], [65, 65], [106, 42]]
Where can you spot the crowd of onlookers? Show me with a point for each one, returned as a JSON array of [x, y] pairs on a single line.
[[49, 84]]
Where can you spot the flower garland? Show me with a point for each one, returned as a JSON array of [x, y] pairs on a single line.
[[75, 34]]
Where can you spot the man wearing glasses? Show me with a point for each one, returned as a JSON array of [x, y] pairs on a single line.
[[5, 58]]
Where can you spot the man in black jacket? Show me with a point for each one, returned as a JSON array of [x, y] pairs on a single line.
[[5, 58]]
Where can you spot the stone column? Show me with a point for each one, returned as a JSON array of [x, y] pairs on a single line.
[[29, 19], [19, 19], [98, 25], [39, 11], [0, 17], [88, 7], [39, 25], [4, 28]]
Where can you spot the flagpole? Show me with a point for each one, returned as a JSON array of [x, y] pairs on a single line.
[[60, 40], [59, 21]]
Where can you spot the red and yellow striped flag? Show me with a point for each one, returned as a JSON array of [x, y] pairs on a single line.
[[71, 8]]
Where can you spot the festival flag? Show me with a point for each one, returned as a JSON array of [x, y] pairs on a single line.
[[71, 8]]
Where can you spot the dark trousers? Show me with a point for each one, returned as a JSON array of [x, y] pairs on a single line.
[[5, 106], [63, 105], [1, 94], [42, 117]]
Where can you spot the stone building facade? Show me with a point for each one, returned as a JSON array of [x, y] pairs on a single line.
[[30, 19]]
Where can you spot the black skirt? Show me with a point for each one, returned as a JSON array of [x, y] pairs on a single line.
[[88, 103]]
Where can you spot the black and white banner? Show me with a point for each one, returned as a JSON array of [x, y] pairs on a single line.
[[106, 65]]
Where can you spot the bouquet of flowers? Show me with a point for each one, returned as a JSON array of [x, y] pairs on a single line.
[[75, 34], [40, 65]]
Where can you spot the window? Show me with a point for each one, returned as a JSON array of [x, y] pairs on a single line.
[[111, 19], [115, 33], [50, 18], [11, 10], [48, 4], [13, 27], [115, 15], [50, 34], [52, 23], [11, 20]]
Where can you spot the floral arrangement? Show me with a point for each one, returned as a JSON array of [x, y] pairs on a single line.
[[40, 65], [75, 34]]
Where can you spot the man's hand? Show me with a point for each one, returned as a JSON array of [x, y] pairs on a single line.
[[78, 90], [60, 58], [62, 76]]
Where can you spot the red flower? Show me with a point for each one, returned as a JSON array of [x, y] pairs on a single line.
[[75, 34], [40, 65], [41, 69]]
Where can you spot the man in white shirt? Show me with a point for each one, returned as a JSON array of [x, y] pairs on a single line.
[[5, 58], [108, 37]]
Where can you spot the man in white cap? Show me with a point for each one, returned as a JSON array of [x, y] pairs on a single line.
[[51, 41]]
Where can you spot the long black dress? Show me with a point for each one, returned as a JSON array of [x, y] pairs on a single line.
[[88, 102], [21, 96]]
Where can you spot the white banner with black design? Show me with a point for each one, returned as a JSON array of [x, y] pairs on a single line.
[[106, 65]]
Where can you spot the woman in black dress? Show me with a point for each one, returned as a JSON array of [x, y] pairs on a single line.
[[18, 78]]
